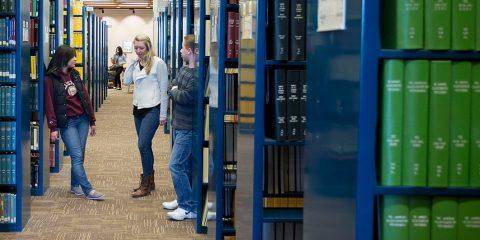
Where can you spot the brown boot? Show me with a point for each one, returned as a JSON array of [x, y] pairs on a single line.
[[140, 183], [144, 187], [152, 181]]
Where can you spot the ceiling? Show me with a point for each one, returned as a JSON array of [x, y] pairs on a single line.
[[119, 4]]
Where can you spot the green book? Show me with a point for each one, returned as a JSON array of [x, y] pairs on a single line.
[[395, 218], [438, 25], [463, 24], [444, 218], [419, 218], [402, 24], [439, 123], [475, 128], [477, 42], [415, 123], [468, 219], [460, 124], [392, 120]]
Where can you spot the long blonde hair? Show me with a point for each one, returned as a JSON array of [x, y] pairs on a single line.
[[150, 54]]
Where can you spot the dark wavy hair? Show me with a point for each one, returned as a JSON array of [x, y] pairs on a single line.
[[60, 59], [120, 51]]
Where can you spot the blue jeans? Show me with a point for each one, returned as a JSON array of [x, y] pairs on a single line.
[[75, 138], [181, 169], [146, 125]]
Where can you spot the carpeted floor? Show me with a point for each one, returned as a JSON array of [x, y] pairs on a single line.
[[113, 166]]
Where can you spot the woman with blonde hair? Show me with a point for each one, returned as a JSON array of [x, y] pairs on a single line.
[[149, 74]]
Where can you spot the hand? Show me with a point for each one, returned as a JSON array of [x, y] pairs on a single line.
[[163, 121], [174, 87], [53, 136], [93, 131]]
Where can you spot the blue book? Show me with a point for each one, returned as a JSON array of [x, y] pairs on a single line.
[[13, 164], [8, 136], [8, 97], [2, 170], [14, 208], [13, 102], [13, 136], [8, 169], [14, 69], [2, 99], [2, 135]]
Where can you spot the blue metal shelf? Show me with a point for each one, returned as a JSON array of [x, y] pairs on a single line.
[[7, 49], [282, 215], [425, 54], [8, 84], [285, 64], [273, 142], [427, 191], [4, 15], [10, 227]]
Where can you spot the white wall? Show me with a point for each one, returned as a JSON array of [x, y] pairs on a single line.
[[124, 26]]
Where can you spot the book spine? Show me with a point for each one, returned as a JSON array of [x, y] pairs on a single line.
[[303, 103], [281, 29], [293, 105], [438, 24], [439, 123], [460, 124], [419, 218], [477, 22], [463, 24], [230, 34], [409, 24], [415, 125], [395, 212], [391, 125], [444, 218], [468, 218], [237, 34], [280, 102], [298, 29], [475, 128]]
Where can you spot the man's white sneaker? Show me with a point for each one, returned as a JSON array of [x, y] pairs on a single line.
[[170, 205], [181, 214]]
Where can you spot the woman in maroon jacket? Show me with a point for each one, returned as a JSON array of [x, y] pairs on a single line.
[[68, 108]]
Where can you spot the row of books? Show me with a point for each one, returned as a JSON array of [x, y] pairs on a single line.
[[8, 208], [283, 231], [231, 88], [422, 217], [34, 101], [52, 13], [7, 6], [34, 136], [229, 204], [7, 101], [7, 68], [431, 24], [8, 133], [77, 24], [230, 143], [230, 177], [34, 171], [286, 98], [34, 67], [430, 123], [7, 168], [77, 41], [33, 8], [233, 32], [7, 32], [283, 177], [287, 27], [34, 32]]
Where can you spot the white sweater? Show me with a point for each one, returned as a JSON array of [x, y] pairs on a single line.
[[150, 90]]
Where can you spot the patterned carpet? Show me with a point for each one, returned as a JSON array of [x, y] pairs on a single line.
[[113, 167]]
